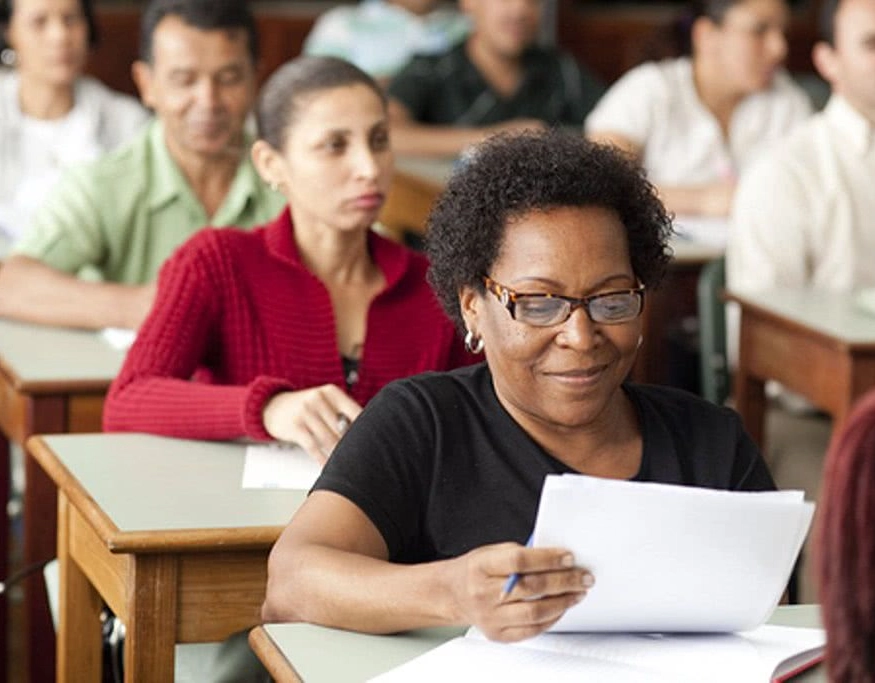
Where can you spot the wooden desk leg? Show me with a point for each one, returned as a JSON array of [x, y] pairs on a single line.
[[47, 415], [151, 620], [6, 488], [79, 641], [750, 402]]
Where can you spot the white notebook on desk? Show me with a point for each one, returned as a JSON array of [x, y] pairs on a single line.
[[768, 653], [279, 466]]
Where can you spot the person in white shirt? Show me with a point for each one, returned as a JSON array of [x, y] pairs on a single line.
[[51, 115], [380, 36], [804, 215], [696, 122]]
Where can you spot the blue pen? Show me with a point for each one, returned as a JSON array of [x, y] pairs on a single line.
[[513, 578]]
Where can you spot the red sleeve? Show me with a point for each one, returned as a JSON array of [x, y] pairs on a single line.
[[155, 391]]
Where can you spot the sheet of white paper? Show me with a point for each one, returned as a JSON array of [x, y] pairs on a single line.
[[711, 230], [659, 553], [617, 657], [118, 337], [279, 466], [465, 659]]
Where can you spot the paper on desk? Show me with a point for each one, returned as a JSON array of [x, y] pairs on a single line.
[[752, 657], [279, 466], [466, 659], [864, 300], [672, 558], [710, 230], [118, 337]]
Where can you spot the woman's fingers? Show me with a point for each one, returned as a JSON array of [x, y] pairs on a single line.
[[547, 584]]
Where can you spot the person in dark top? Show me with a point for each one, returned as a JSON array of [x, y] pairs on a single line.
[[542, 247], [497, 79]]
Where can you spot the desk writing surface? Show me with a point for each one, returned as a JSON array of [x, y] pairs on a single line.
[[326, 654], [146, 483], [690, 251], [432, 169], [322, 655], [831, 313], [41, 357]]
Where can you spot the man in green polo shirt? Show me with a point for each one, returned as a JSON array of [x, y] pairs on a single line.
[[92, 253]]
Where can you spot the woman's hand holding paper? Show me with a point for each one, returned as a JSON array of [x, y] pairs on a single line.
[[548, 584]]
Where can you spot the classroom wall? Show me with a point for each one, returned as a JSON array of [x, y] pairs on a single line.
[[282, 30], [609, 39]]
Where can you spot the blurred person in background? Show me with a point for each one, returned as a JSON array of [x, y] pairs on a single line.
[[90, 255], [51, 115], [381, 36], [498, 79], [696, 122]]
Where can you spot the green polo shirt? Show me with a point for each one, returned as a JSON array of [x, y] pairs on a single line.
[[119, 218]]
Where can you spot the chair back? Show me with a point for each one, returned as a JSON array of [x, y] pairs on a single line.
[[713, 362]]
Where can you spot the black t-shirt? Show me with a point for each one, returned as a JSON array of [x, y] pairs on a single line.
[[448, 89], [441, 468]]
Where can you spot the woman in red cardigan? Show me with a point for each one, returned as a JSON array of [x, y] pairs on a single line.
[[285, 332]]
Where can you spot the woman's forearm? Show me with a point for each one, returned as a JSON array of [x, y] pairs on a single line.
[[332, 587]]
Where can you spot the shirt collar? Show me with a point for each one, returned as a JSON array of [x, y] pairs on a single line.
[[391, 258], [167, 183], [852, 123]]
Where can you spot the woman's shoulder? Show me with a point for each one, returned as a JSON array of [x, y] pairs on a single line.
[[443, 388], [93, 90], [8, 95], [401, 264], [666, 75], [218, 244], [119, 113], [678, 406], [787, 91]]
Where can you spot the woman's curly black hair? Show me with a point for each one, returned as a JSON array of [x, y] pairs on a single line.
[[512, 174]]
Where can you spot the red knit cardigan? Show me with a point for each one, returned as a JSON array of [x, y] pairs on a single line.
[[239, 318]]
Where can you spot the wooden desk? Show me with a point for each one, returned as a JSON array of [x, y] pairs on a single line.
[[815, 343], [161, 530], [415, 185], [314, 654], [52, 380]]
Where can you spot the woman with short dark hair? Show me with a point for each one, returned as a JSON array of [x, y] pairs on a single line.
[[542, 249]]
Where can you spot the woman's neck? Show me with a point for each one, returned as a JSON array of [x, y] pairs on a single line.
[[337, 258], [717, 97], [609, 447], [40, 100]]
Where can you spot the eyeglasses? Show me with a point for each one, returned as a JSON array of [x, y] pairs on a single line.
[[545, 310]]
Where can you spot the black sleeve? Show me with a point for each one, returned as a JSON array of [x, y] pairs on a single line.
[[383, 465], [583, 90], [749, 472], [413, 87]]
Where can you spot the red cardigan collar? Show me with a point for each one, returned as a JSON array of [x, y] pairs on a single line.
[[391, 258]]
